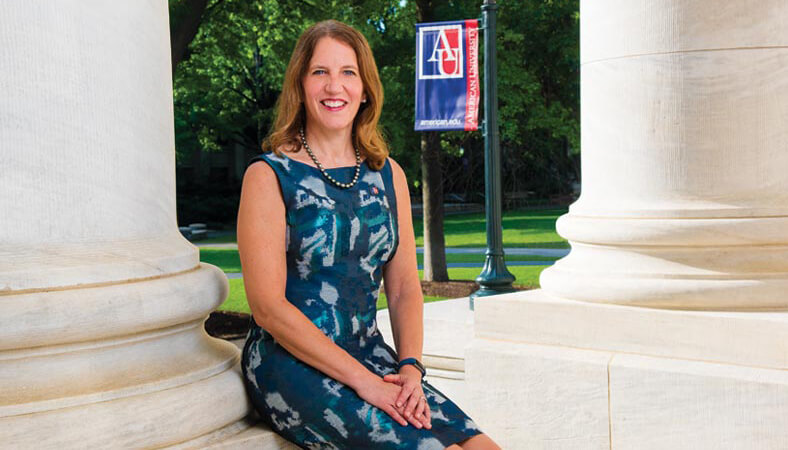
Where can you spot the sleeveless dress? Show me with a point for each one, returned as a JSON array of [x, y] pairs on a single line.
[[337, 243]]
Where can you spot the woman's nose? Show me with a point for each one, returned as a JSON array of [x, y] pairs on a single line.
[[333, 85]]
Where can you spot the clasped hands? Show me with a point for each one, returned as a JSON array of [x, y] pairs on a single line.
[[411, 403], [399, 395]]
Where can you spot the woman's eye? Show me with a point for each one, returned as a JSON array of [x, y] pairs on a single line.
[[319, 72], [350, 73]]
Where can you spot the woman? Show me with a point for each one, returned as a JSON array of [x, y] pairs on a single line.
[[317, 230]]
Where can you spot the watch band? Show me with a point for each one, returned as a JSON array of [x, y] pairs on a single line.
[[415, 362]]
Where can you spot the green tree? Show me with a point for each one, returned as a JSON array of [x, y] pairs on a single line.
[[225, 91], [185, 19], [539, 71], [230, 73]]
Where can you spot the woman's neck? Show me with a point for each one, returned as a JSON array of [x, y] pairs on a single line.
[[333, 149]]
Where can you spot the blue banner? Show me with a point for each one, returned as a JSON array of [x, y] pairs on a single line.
[[447, 76]]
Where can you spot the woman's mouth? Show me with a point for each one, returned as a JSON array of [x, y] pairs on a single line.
[[333, 105]]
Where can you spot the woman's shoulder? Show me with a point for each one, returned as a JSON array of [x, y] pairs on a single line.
[[259, 171], [396, 170], [277, 160]]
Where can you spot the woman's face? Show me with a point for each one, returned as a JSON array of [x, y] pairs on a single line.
[[333, 89]]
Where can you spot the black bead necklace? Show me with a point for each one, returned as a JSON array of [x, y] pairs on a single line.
[[323, 171]]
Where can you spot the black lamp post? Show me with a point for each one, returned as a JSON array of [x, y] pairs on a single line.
[[495, 277]]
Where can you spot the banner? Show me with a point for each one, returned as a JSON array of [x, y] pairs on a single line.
[[447, 76]]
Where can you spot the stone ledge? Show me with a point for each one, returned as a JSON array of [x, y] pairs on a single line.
[[662, 403], [758, 339], [247, 433], [537, 397], [148, 420], [254, 438], [555, 397], [448, 329]]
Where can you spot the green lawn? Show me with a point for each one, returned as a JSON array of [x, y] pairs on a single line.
[[527, 276], [236, 300], [524, 228], [521, 228], [226, 239], [228, 261], [479, 258], [533, 228]]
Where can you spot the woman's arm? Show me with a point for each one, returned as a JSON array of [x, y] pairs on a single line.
[[261, 245], [401, 278], [405, 300]]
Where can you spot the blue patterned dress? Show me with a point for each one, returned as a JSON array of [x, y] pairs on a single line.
[[337, 243]]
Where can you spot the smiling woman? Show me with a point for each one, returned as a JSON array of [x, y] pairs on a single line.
[[318, 231]]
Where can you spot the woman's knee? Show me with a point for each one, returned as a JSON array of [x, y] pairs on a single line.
[[478, 442]]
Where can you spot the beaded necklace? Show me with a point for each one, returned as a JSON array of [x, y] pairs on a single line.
[[323, 171]]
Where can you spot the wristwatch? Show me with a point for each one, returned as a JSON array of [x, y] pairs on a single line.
[[415, 362]]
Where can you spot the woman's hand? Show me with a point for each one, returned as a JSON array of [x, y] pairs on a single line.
[[384, 396], [411, 402]]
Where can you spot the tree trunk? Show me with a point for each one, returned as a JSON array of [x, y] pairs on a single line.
[[432, 201], [432, 186], [183, 31]]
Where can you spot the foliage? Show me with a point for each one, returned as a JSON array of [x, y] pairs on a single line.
[[538, 91], [226, 86], [540, 74], [225, 91]]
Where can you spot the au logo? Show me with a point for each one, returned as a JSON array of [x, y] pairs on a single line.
[[440, 52]]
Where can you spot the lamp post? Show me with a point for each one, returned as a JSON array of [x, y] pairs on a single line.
[[495, 277]]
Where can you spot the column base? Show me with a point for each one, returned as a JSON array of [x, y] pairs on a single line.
[[125, 365], [247, 433], [555, 374]]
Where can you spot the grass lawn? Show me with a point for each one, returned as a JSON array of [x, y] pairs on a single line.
[[228, 261], [479, 258], [526, 276], [236, 300], [523, 228], [532, 228], [229, 238]]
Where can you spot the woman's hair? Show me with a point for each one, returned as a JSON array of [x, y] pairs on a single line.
[[290, 113]]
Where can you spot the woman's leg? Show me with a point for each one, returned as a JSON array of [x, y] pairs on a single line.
[[478, 442]]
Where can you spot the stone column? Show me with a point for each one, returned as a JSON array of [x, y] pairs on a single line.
[[663, 328], [685, 169], [101, 300]]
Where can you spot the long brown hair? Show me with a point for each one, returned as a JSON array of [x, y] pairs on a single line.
[[290, 114]]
